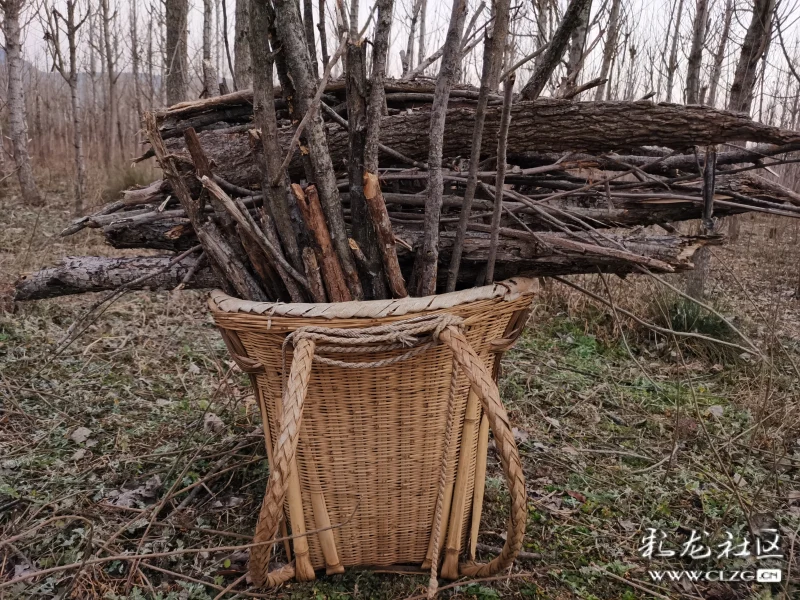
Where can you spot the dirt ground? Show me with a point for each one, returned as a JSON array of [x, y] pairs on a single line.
[[142, 436]]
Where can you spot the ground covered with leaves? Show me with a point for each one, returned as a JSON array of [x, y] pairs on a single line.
[[141, 437]]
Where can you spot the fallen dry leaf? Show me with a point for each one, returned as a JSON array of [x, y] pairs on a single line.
[[80, 435]]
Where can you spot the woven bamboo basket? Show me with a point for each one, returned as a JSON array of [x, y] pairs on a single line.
[[376, 421]]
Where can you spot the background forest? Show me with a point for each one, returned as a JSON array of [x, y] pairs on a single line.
[[88, 69]]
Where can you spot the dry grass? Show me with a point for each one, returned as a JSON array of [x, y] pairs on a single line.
[[620, 429]]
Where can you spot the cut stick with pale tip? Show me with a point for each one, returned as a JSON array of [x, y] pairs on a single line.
[[386, 239], [332, 273]]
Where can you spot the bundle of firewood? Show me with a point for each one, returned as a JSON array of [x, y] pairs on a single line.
[[317, 191]]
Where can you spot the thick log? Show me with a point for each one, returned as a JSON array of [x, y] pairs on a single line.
[[82, 274], [171, 118], [515, 257], [546, 125], [166, 234]]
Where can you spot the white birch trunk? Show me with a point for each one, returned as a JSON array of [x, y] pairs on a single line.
[[16, 103]]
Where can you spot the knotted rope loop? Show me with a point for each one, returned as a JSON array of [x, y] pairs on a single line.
[[417, 335]]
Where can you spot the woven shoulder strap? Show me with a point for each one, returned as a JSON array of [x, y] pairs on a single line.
[[413, 335]]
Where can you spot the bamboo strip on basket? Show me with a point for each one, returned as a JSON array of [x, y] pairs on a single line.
[[480, 484], [268, 443], [448, 497], [320, 509], [461, 486], [304, 571]]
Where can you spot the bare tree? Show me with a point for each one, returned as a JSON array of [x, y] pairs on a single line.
[[696, 52], [243, 64], [12, 10], [210, 86], [423, 11], [576, 48], [407, 55], [362, 229], [308, 24], [754, 48], [609, 48], [107, 18], [323, 37], [755, 44], [672, 65], [68, 69], [549, 60], [719, 55], [177, 63], [136, 60], [294, 51]]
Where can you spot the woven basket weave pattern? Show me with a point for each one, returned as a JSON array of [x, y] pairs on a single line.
[[371, 439]]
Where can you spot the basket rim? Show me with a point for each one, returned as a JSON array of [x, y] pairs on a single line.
[[507, 290]]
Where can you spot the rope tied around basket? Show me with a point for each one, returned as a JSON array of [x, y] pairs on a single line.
[[414, 336]]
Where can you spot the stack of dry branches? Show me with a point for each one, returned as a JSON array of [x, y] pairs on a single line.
[[363, 188]]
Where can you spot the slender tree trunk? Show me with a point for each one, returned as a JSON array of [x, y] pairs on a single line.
[[278, 196], [135, 59], [407, 56], [16, 103], [499, 182], [308, 24], [323, 36], [377, 98], [218, 37], [150, 57], [77, 142], [376, 104], [493, 46], [92, 73], [500, 30], [425, 267], [609, 48], [243, 64], [719, 55], [576, 49], [754, 47], [549, 60], [136, 68], [177, 64], [755, 44], [69, 72], [423, 9], [210, 85], [696, 53], [632, 68], [111, 124], [672, 66], [696, 279]]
